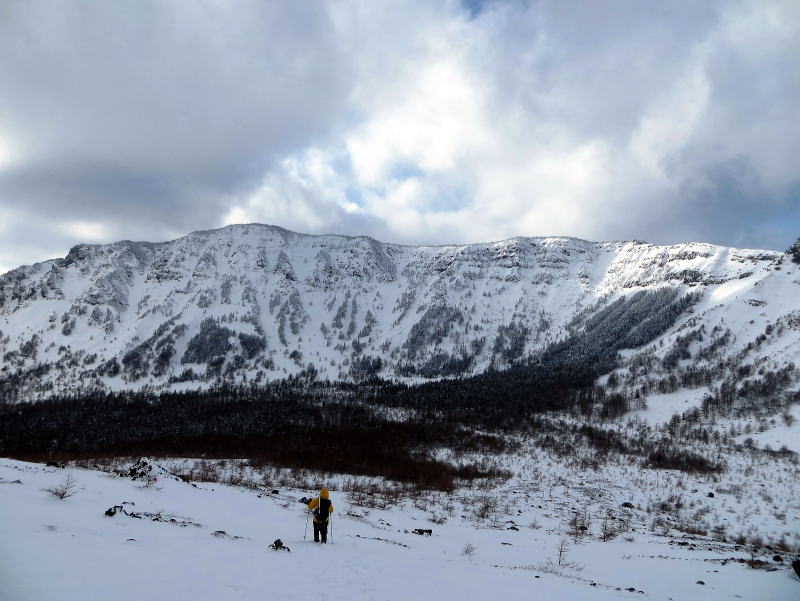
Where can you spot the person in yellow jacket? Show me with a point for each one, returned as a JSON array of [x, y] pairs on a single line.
[[322, 508]]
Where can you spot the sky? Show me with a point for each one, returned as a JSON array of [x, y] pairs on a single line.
[[418, 121]]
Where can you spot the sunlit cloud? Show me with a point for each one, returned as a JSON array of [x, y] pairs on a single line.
[[8, 153], [88, 231]]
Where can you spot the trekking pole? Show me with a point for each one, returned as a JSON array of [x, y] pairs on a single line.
[[306, 530], [331, 530]]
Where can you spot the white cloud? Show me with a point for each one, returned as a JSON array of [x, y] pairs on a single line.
[[412, 123], [669, 123], [9, 153], [89, 231], [438, 118], [505, 126]]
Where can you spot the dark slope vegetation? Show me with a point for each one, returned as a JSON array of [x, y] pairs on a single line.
[[317, 426], [375, 428]]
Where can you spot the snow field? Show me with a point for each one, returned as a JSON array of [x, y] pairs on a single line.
[[54, 549]]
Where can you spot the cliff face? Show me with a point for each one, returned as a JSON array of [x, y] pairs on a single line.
[[256, 303]]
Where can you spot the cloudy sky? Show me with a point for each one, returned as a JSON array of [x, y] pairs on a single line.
[[411, 121]]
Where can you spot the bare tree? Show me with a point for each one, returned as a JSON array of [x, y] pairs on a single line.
[[563, 548], [579, 525], [65, 489], [607, 530], [485, 506], [563, 562]]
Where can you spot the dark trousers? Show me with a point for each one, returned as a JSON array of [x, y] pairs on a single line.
[[321, 528]]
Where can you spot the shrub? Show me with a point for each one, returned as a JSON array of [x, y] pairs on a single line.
[[64, 490], [685, 461]]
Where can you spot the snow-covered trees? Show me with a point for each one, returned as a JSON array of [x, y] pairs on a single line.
[[211, 341], [432, 328], [794, 251]]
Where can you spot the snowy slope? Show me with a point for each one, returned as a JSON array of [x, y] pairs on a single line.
[[54, 549], [257, 303]]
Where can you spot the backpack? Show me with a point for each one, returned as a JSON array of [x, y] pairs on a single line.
[[322, 512]]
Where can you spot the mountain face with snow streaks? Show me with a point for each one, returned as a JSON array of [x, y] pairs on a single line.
[[254, 303]]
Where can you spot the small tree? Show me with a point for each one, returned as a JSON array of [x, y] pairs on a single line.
[[607, 530], [563, 561], [579, 525], [563, 549], [794, 251], [67, 488]]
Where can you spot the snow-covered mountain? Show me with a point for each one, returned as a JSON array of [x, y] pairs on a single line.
[[253, 303]]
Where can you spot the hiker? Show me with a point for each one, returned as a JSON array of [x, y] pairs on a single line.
[[322, 508]]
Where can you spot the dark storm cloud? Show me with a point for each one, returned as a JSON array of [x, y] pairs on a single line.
[[409, 121], [156, 111]]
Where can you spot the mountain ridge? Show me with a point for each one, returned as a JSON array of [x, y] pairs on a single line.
[[397, 244], [251, 303]]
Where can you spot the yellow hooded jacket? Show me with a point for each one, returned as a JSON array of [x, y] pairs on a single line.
[[323, 494]]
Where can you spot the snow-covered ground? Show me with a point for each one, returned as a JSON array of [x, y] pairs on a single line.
[[661, 407], [780, 434], [217, 547]]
